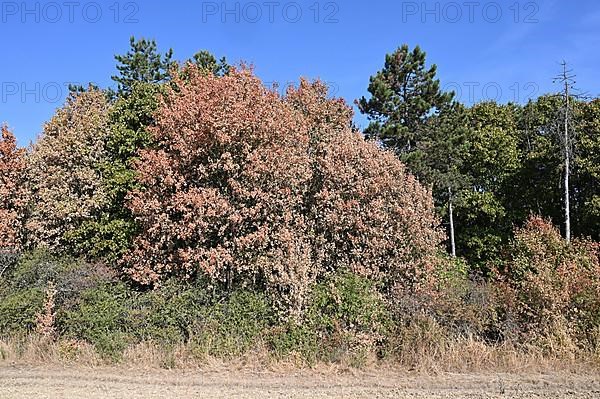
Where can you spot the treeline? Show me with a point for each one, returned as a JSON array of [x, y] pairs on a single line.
[[193, 205], [495, 164]]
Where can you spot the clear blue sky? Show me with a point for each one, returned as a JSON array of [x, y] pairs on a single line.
[[481, 47]]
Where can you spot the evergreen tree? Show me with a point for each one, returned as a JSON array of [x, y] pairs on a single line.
[[404, 95], [142, 63], [205, 60]]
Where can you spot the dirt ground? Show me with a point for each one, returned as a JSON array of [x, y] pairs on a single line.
[[53, 383]]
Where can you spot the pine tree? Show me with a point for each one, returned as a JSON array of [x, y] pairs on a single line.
[[142, 63], [404, 95], [205, 60]]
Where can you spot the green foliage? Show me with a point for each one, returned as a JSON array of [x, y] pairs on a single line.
[[111, 317], [206, 61], [483, 228], [18, 310], [347, 302], [234, 325], [142, 63], [403, 95], [346, 316], [587, 171], [101, 318], [494, 154], [441, 156], [106, 238], [22, 288], [169, 315]]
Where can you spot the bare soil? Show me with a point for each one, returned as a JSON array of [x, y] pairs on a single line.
[[26, 382]]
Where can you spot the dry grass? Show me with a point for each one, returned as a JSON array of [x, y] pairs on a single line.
[[460, 356], [469, 355]]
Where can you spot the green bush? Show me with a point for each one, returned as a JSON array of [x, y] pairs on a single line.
[[102, 318], [296, 338], [169, 315], [234, 325], [18, 311], [111, 317], [71, 276], [347, 302], [346, 317]]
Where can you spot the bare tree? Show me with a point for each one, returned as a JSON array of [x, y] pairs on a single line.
[[567, 79]]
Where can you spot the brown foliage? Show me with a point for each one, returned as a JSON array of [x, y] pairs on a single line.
[[555, 283], [12, 192], [248, 186], [63, 170], [372, 216], [46, 319]]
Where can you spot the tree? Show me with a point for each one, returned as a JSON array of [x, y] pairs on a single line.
[[205, 60], [490, 164], [63, 172], [440, 159], [142, 63], [111, 234], [404, 94], [541, 180], [566, 78], [538, 178], [587, 171], [251, 188], [13, 195]]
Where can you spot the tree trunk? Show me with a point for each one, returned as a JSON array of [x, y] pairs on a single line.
[[451, 215], [567, 169]]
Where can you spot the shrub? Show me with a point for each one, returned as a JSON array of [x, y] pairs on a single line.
[[101, 318], [234, 325], [170, 314], [554, 282], [40, 289], [346, 317], [19, 310], [36, 269], [8, 258]]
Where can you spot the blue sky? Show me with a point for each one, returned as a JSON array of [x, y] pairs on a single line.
[[505, 50]]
